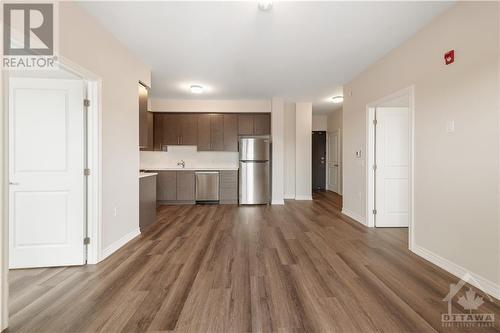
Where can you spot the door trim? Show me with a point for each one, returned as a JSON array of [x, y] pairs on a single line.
[[370, 158], [93, 84]]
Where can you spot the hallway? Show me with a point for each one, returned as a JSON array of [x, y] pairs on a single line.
[[293, 268]]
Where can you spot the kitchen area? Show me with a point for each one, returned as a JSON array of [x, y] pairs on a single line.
[[202, 158]]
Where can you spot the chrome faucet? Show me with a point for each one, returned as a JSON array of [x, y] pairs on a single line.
[[181, 164]]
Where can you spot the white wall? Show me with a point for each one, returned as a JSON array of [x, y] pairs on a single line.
[[289, 138], [303, 151], [456, 174], [334, 121], [190, 155], [319, 122], [220, 106], [278, 154], [85, 42]]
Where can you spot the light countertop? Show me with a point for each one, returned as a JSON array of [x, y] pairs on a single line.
[[146, 174], [191, 169]]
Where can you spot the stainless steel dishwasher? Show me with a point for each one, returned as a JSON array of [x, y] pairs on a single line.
[[207, 186]]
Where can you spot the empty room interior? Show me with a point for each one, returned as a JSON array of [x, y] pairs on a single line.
[[250, 166]]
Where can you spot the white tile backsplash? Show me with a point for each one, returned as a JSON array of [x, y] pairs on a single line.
[[192, 157]]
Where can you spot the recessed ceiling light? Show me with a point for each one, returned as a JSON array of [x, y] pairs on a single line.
[[265, 5], [337, 99], [196, 89]]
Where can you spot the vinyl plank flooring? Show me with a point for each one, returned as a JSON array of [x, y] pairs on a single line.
[[301, 267]]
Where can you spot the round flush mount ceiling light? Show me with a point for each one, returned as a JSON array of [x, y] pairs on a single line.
[[196, 89], [337, 99], [265, 5]]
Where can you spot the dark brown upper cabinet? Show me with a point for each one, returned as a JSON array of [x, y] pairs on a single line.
[[174, 129], [245, 124], [203, 132], [145, 120], [230, 132], [171, 129], [262, 124], [207, 131], [216, 132], [150, 122], [158, 131], [254, 124], [188, 129], [211, 132]]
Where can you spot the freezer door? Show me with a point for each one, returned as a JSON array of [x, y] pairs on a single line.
[[254, 183], [254, 149]]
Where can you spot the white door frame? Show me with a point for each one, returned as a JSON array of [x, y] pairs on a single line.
[[370, 156], [94, 182]]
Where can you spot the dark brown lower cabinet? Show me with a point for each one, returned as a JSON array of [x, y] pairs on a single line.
[[185, 186], [166, 189], [147, 201], [228, 187], [175, 187]]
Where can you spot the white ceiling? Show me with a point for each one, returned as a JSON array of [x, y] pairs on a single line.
[[302, 51]]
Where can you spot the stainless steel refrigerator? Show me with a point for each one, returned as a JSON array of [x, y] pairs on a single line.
[[254, 175]]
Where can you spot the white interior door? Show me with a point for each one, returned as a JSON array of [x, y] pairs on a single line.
[[334, 162], [392, 173], [46, 162]]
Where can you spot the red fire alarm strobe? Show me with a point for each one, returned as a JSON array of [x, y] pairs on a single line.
[[449, 57]]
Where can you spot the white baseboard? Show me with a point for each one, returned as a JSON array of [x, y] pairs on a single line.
[[277, 202], [477, 281], [289, 196], [119, 243], [354, 216], [303, 197]]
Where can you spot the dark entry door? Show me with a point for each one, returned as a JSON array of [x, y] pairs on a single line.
[[318, 160]]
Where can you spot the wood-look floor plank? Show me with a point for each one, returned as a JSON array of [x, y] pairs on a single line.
[[301, 267]]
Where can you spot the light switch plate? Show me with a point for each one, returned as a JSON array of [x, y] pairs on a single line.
[[450, 126]]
